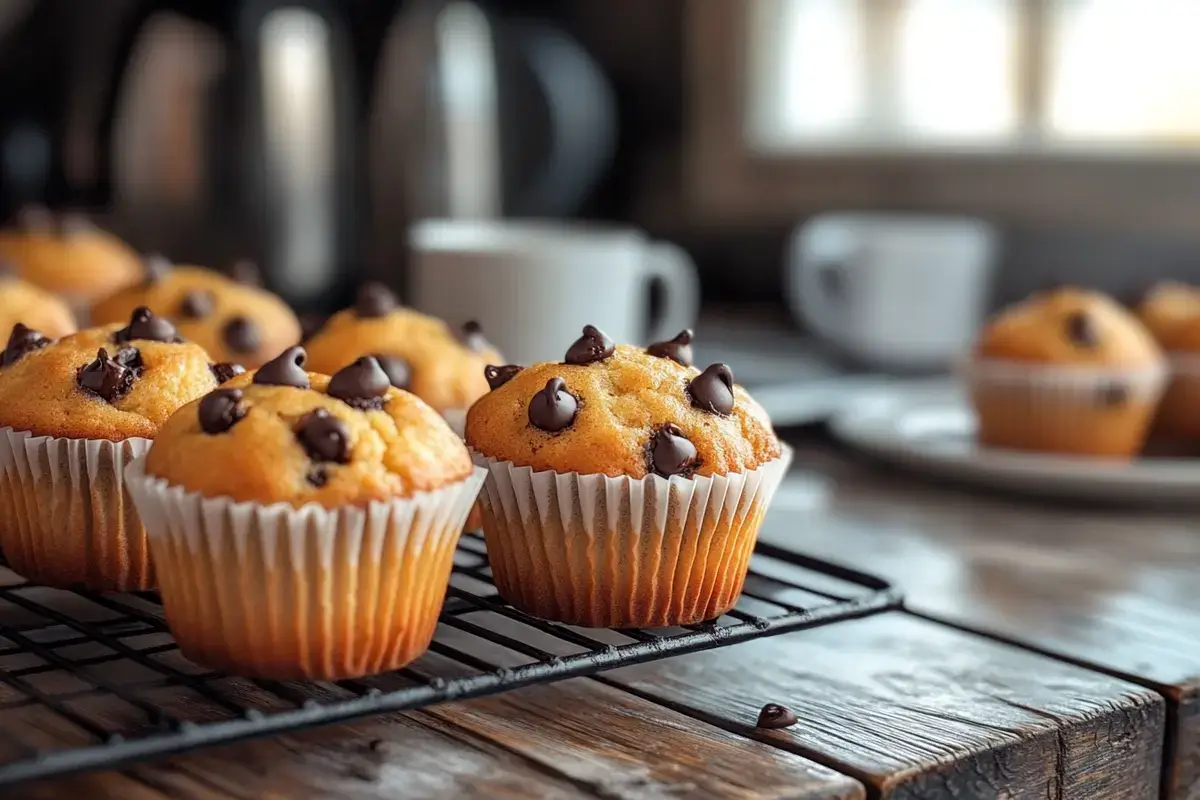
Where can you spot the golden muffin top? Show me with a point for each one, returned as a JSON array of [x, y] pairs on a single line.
[[113, 382], [23, 302], [233, 319], [284, 435], [621, 410], [1068, 327], [1166, 307], [419, 352]]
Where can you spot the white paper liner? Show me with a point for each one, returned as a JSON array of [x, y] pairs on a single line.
[[315, 593], [65, 517], [623, 552]]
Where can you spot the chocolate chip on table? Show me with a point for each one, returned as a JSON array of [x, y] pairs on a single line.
[[375, 300], [774, 716], [197, 304], [324, 437], [592, 346], [670, 452], [245, 272], [712, 390], [1081, 330], [240, 335], [553, 408], [224, 371], [220, 410], [361, 384], [398, 371], [106, 377], [21, 342], [1113, 395], [286, 369], [678, 349], [145, 324], [155, 267], [471, 336], [498, 376]]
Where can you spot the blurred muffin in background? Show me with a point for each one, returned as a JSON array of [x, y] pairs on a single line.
[[1167, 305], [31, 306]]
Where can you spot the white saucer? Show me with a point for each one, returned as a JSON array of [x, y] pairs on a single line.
[[935, 435]]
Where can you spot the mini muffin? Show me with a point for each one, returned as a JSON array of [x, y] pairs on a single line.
[[625, 487], [74, 413], [1068, 371], [69, 256], [24, 303], [232, 318], [305, 525]]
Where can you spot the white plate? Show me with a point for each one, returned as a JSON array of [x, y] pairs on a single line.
[[935, 434]]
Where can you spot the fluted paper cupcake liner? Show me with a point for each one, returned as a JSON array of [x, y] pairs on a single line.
[[65, 517], [1083, 410], [280, 592], [623, 552]]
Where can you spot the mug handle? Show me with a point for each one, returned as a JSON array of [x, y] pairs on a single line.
[[670, 265]]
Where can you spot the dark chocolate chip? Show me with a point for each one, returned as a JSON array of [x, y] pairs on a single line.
[[1081, 330], [553, 408], [286, 369], [1113, 395], [225, 371], [21, 342], [107, 378], [670, 453], [220, 410], [75, 224], [155, 267], [398, 371], [246, 272], [774, 716], [375, 300], [35, 218], [317, 476], [241, 335], [678, 349], [498, 376], [146, 325], [131, 357], [360, 385], [712, 390], [197, 304], [471, 336], [592, 346], [324, 437]]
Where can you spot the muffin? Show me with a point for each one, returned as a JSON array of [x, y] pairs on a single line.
[[304, 526], [1166, 306], [625, 487], [24, 303], [1068, 371], [68, 255], [74, 413], [234, 320]]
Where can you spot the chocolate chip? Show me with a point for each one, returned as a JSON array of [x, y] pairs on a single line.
[[317, 476], [1081, 330], [286, 369], [592, 346], [471, 336], [155, 267], [21, 342], [498, 376], [105, 377], [220, 410], [774, 716], [670, 453], [197, 304], [398, 371], [712, 390], [678, 349], [130, 357], [225, 371], [246, 272], [75, 224], [553, 408], [1113, 395], [241, 335], [375, 300], [146, 325], [360, 385], [324, 437], [35, 218]]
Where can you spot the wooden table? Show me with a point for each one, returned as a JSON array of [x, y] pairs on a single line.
[[1048, 652]]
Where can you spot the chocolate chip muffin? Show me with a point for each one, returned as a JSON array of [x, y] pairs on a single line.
[[23, 302], [233, 318], [319, 514], [626, 487], [74, 413], [68, 255], [1067, 371]]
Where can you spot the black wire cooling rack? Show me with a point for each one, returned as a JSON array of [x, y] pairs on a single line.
[[95, 681]]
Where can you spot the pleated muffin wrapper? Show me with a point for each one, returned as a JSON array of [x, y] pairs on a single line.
[[1077, 410], [275, 591], [66, 519], [623, 552]]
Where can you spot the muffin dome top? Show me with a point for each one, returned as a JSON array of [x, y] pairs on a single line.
[[1068, 327], [620, 410], [421, 353], [68, 255], [284, 435], [113, 382], [1166, 306], [22, 301]]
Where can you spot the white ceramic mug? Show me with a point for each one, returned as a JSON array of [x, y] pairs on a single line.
[[533, 285]]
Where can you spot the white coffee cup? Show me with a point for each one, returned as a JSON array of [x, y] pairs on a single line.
[[533, 285]]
